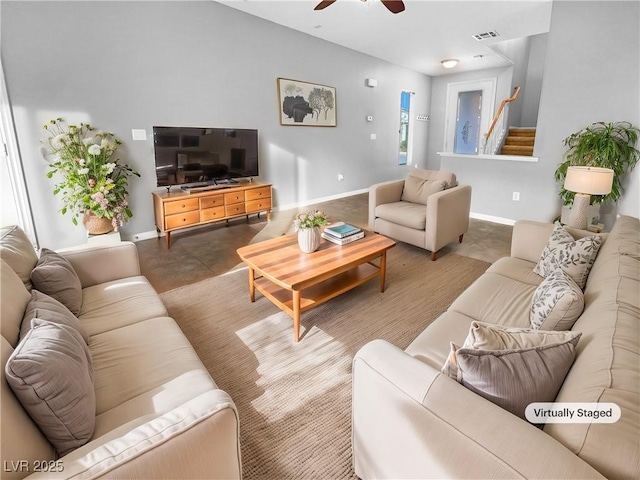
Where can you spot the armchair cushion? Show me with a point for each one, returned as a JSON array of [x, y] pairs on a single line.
[[417, 190], [435, 175], [412, 215]]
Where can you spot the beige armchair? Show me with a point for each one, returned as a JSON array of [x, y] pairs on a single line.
[[427, 209]]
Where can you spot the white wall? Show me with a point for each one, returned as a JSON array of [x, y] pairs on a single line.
[[126, 65], [591, 73], [533, 83]]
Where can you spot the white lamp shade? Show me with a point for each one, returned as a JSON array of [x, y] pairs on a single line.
[[590, 180]]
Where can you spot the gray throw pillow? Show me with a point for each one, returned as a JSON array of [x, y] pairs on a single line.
[[513, 379], [417, 190], [55, 276], [48, 308], [51, 374], [490, 336], [575, 257], [557, 303]]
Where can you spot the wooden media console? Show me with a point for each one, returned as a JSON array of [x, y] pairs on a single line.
[[178, 210]]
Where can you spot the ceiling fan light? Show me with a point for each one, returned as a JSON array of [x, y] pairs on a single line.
[[449, 62]]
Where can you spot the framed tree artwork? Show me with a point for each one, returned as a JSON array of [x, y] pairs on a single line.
[[306, 104]]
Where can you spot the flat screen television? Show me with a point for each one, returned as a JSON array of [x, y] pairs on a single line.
[[195, 157]]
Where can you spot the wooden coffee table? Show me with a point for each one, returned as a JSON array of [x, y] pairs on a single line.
[[296, 282]]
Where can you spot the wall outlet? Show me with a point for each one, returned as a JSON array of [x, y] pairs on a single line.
[[516, 196], [340, 177]]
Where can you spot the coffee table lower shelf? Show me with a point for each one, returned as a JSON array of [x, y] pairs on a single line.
[[315, 295]]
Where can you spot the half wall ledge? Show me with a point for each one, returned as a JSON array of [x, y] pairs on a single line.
[[506, 158]]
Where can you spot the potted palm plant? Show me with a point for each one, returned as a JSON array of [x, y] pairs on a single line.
[[608, 145], [602, 144]]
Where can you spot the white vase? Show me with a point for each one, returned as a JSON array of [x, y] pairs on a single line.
[[309, 239]]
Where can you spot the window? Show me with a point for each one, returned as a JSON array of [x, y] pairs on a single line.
[[404, 153], [16, 208]]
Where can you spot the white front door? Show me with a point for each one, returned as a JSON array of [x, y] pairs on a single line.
[[461, 122]]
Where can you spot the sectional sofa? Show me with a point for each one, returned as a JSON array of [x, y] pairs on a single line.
[[144, 407], [411, 419]]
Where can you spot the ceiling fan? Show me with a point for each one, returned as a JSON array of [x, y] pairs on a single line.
[[394, 6]]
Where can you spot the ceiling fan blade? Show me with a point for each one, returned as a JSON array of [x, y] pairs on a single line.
[[324, 4], [394, 6]]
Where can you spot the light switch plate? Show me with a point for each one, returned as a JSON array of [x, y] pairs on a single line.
[[139, 134]]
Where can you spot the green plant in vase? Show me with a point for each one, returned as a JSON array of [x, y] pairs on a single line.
[[92, 181]]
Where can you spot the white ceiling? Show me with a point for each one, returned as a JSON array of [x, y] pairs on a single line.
[[427, 32]]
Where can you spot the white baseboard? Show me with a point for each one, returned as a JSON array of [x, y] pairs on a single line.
[[491, 218], [141, 236], [136, 237]]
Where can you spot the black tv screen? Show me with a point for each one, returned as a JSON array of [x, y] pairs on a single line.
[[204, 156]]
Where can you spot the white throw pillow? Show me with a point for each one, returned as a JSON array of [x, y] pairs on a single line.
[[575, 257], [557, 303]]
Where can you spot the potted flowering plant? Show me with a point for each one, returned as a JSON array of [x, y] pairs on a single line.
[[308, 224], [93, 183]]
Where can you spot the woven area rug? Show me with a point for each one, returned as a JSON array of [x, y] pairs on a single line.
[[294, 399]]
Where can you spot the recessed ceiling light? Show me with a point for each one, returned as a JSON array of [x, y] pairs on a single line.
[[478, 56], [449, 62], [317, 26]]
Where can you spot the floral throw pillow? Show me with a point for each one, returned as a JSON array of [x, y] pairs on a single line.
[[557, 303], [575, 257]]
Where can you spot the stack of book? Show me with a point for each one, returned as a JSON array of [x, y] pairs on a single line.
[[342, 233]]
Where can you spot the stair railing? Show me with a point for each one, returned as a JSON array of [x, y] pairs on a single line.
[[494, 137]]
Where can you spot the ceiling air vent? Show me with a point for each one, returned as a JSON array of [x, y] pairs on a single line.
[[486, 35]]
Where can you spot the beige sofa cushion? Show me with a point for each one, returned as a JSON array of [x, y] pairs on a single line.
[[51, 373], [14, 298], [48, 308], [18, 252], [417, 190], [575, 257], [146, 368], [111, 305], [55, 276], [557, 302], [515, 378], [494, 298]]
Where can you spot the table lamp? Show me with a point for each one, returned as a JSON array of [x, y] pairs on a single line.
[[586, 181]]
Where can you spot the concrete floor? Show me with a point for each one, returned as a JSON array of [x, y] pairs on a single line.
[[211, 250]]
